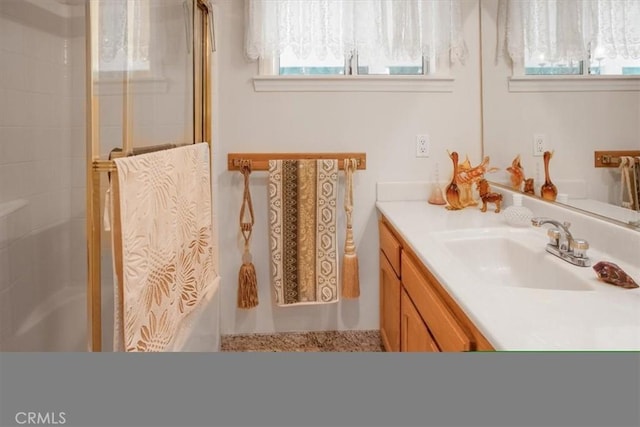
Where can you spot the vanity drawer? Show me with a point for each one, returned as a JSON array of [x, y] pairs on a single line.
[[447, 331], [390, 246]]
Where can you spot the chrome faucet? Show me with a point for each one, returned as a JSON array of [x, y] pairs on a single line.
[[562, 243]]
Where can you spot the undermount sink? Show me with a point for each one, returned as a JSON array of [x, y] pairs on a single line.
[[511, 257]]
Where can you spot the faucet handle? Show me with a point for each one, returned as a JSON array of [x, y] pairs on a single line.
[[579, 247], [554, 236]]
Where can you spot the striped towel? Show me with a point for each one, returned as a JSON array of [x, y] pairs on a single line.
[[302, 221]]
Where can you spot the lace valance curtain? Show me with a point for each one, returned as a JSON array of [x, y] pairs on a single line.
[[394, 29], [569, 29], [124, 30]]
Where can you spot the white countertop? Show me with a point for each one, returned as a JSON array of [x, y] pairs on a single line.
[[607, 318]]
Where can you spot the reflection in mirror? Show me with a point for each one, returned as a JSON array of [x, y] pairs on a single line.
[[526, 113]]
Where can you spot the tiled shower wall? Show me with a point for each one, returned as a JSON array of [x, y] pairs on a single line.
[[37, 131]]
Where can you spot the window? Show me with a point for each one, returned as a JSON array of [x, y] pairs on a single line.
[[555, 37], [289, 65], [372, 37], [598, 64], [122, 39]]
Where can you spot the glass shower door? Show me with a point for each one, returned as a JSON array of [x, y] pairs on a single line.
[[143, 72], [141, 95]]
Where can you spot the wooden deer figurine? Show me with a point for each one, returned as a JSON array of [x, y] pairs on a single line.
[[487, 196]]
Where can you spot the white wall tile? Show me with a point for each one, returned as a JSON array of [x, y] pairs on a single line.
[[18, 147], [15, 113], [5, 183], [21, 259], [78, 140], [6, 321], [78, 173], [39, 210], [11, 35], [4, 231], [12, 70], [77, 114], [3, 105], [78, 203], [19, 223], [5, 276], [24, 296]]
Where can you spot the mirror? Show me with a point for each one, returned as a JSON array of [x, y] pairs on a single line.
[[570, 121]]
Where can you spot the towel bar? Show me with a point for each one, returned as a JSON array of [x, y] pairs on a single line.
[[260, 161]]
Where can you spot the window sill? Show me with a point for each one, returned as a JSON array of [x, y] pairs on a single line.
[[352, 84], [574, 83]]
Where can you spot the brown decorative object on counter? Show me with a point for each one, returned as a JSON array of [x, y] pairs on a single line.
[[548, 191], [487, 196], [528, 186], [459, 192], [436, 195], [517, 173], [452, 192], [465, 182], [473, 174], [611, 273]]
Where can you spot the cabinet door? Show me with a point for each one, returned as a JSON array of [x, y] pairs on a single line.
[[389, 306], [444, 326], [414, 333]]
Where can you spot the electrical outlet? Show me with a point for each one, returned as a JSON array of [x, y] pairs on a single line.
[[422, 146], [539, 144]]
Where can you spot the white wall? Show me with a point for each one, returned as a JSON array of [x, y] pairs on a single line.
[[381, 124], [575, 123]]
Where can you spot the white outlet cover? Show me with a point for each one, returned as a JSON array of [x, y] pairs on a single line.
[[422, 146], [539, 144]]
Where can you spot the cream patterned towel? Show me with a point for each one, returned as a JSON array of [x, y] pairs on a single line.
[[303, 241], [165, 254]]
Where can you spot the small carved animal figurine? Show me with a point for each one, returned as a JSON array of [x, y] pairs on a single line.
[[517, 173], [528, 186], [610, 273], [487, 196]]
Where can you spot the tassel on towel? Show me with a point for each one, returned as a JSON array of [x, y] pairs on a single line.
[[247, 279], [350, 273]]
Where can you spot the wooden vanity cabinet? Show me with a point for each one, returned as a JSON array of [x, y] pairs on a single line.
[[416, 313]]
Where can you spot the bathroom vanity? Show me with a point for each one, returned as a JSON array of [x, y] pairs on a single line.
[[416, 312], [467, 281]]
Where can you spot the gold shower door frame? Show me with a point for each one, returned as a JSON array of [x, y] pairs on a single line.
[[203, 42]]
